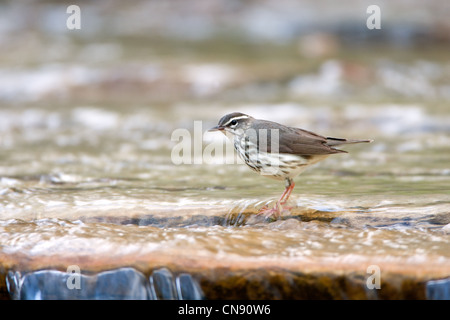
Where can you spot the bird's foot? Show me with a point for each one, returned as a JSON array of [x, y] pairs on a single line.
[[268, 212], [275, 212]]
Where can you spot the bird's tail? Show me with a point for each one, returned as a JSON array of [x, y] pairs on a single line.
[[338, 141]]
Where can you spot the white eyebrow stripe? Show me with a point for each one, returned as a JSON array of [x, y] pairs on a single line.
[[235, 118]]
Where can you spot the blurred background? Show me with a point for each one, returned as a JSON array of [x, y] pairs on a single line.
[[170, 52]]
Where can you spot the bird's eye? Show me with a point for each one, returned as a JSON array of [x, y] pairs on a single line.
[[233, 123]]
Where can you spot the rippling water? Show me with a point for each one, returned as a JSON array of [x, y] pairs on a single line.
[[95, 181]]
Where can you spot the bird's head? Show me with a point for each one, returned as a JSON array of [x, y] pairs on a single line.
[[233, 123]]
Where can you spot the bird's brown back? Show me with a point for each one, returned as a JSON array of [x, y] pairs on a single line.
[[290, 140]]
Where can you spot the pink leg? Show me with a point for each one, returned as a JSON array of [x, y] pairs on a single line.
[[287, 192], [277, 209]]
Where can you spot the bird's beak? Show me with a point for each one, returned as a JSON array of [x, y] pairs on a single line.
[[216, 128]]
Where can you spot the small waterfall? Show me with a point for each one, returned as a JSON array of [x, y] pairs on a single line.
[[118, 284]]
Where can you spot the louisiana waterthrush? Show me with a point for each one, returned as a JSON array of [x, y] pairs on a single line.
[[277, 151]]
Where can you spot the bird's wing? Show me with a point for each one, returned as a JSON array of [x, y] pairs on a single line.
[[304, 142], [273, 137]]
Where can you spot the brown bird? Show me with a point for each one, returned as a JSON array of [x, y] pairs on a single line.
[[277, 151]]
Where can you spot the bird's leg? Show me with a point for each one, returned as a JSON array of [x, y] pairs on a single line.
[[278, 208], [287, 192]]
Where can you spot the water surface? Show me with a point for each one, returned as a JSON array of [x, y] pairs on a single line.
[[72, 187]]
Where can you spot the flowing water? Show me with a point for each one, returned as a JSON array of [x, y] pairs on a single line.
[[89, 176], [93, 182]]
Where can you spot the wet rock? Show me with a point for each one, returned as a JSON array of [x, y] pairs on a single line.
[[282, 284], [279, 284], [218, 283], [168, 222]]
